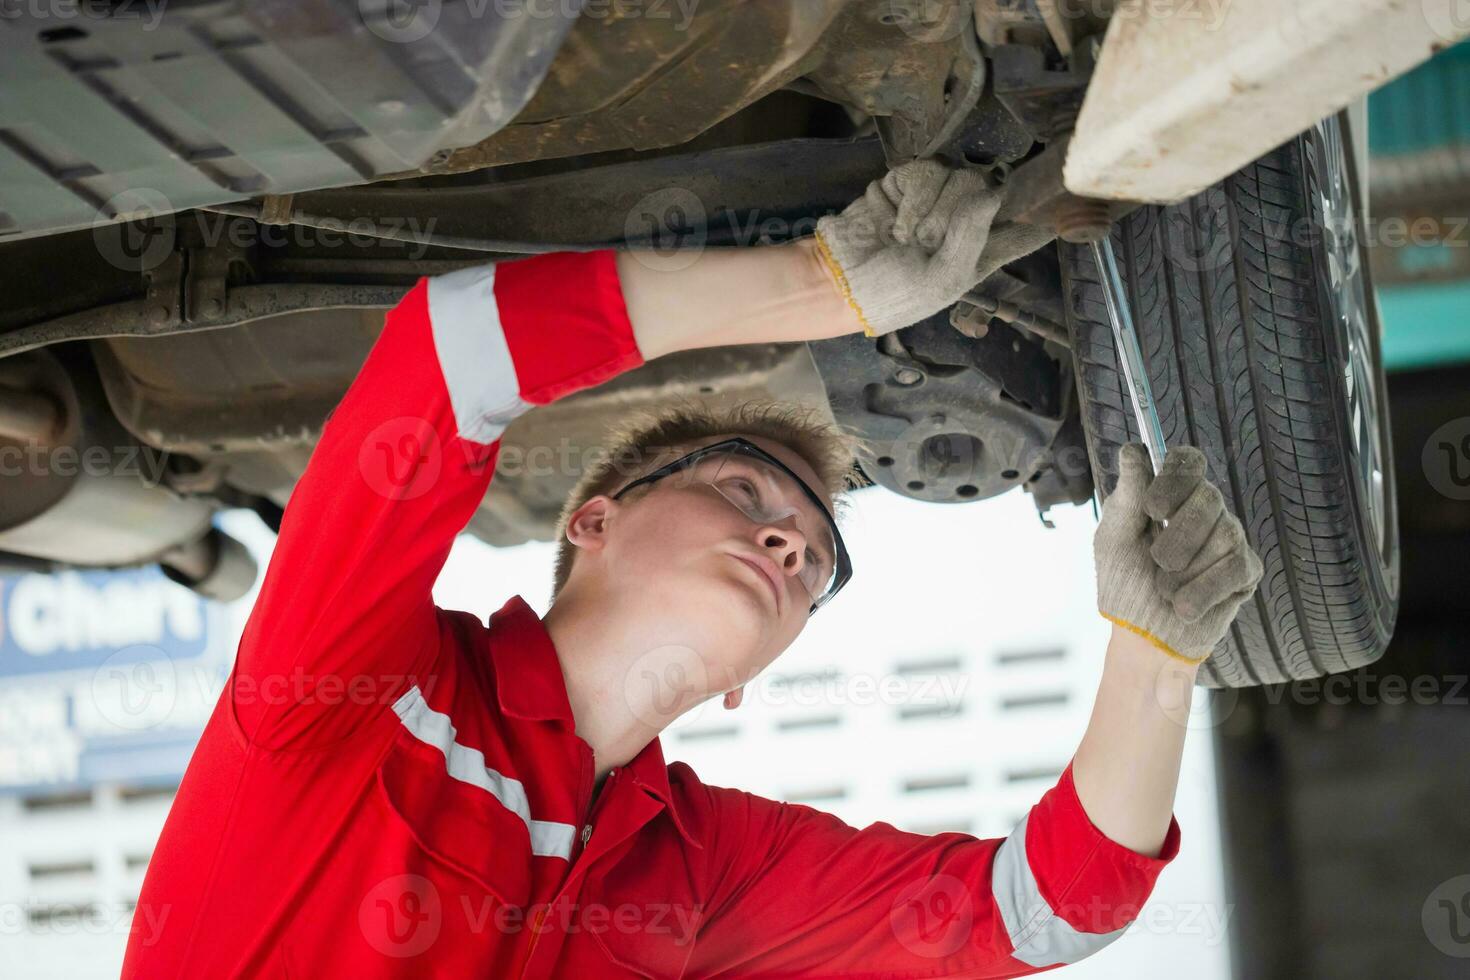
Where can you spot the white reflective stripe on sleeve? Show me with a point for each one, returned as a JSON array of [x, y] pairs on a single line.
[[1039, 935], [470, 343], [548, 838]]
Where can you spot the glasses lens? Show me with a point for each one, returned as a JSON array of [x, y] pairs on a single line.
[[767, 494]]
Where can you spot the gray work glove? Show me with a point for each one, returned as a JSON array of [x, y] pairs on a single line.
[[1177, 586], [916, 241]]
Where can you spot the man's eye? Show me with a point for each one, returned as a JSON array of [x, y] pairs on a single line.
[[746, 488]]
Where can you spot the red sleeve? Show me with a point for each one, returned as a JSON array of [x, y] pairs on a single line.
[[797, 892], [345, 615]]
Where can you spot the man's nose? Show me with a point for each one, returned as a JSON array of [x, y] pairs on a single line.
[[785, 545]]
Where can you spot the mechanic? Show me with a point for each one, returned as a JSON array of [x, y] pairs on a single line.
[[391, 789]]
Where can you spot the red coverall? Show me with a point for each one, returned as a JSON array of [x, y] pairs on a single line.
[[391, 789]]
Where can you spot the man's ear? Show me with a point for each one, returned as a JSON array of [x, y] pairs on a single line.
[[588, 525]]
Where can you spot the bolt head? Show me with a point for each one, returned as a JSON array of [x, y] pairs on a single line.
[[907, 376], [1083, 234]]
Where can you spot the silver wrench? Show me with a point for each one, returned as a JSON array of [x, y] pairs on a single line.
[[1130, 353]]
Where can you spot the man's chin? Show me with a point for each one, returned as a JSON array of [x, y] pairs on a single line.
[[725, 605]]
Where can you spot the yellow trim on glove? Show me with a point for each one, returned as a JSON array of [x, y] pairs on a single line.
[[833, 267], [1153, 639]]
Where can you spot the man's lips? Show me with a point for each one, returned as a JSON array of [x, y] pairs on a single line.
[[769, 573]]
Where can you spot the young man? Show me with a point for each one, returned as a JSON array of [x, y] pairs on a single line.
[[391, 789]]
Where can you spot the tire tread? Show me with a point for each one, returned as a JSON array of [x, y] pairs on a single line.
[[1227, 307]]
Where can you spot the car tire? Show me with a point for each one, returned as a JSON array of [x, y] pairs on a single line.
[[1260, 333]]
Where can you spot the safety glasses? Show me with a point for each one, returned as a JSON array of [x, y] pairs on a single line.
[[766, 491]]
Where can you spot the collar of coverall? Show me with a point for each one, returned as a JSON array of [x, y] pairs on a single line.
[[521, 648]]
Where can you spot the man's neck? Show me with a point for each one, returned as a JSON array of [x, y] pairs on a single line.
[[599, 650]]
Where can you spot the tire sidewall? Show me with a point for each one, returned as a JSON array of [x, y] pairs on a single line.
[[1380, 567]]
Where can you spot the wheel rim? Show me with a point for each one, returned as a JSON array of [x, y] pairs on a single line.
[[1353, 319]]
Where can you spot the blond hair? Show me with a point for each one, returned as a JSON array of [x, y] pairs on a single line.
[[644, 441]]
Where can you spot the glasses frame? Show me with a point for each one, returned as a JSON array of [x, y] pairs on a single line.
[[840, 559]]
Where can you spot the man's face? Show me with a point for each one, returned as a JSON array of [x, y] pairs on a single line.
[[690, 558]]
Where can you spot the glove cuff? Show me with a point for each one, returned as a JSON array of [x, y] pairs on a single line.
[[835, 268], [1155, 640]]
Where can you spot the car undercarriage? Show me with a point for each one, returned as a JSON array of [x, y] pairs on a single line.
[[203, 223], [735, 125]]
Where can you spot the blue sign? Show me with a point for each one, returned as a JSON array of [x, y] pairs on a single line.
[[77, 620], [106, 676]]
